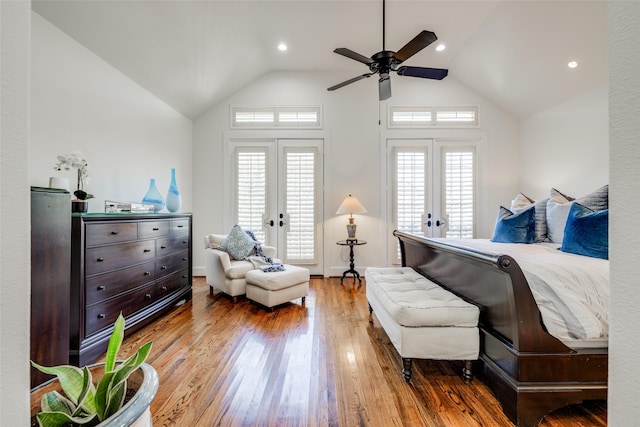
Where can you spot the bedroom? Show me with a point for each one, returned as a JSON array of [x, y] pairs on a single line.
[[349, 163]]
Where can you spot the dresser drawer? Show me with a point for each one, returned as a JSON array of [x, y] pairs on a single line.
[[115, 232], [171, 283], [102, 259], [107, 285], [172, 263], [151, 229], [179, 226], [171, 244], [104, 314]]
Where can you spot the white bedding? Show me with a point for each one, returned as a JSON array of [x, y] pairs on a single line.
[[572, 291]]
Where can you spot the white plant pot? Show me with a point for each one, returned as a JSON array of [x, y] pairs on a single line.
[[135, 413]]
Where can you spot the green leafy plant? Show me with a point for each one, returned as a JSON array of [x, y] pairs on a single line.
[[86, 403]]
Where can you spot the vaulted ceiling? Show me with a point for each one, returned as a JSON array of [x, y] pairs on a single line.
[[193, 54]]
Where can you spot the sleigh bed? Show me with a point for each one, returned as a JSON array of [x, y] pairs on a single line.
[[531, 371]]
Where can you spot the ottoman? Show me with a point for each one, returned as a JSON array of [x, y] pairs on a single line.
[[277, 287]]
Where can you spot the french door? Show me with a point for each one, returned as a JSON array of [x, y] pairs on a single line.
[[432, 189], [277, 193]]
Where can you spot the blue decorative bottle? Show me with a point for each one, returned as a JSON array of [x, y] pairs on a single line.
[[174, 201], [154, 197]]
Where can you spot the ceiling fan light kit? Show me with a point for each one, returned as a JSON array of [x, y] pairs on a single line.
[[385, 61]]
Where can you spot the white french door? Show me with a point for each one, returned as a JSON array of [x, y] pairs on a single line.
[[277, 193], [432, 189]]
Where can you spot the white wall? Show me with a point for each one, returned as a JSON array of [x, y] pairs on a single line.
[[567, 147], [14, 213], [624, 227], [81, 103], [353, 147]]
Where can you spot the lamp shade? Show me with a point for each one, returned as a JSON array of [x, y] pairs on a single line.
[[350, 205]]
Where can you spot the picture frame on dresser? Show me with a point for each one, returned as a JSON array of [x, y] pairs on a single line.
[[139, 265]]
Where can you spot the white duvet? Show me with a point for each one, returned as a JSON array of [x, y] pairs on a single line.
[[572, 291]]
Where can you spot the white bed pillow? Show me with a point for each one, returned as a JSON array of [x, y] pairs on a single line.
[[559, 204]]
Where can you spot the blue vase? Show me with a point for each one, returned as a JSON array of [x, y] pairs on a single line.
[[173, 196], [154, 197]]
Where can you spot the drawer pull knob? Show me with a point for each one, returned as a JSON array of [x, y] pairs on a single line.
[[180, 226], [114, 233], [100, 259], [101, 316], [147, 250], [184, 259], [164, 288], [164, 267], [156, 228], [147, 296], [163, 247], [101, 288], [184, 276], [147, 273], [184, 242]]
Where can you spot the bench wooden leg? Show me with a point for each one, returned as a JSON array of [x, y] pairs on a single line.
[[406, 368], [467, 371]]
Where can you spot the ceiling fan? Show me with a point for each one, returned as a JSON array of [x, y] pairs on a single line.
[[386, 61]]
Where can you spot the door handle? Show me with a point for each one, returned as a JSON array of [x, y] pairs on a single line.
[[429, 223], [440, 223]]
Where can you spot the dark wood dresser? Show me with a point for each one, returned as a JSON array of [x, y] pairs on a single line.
[[137, 264], [50, 268]]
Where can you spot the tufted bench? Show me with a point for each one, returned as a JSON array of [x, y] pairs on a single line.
[[277, 287], [422, 320]]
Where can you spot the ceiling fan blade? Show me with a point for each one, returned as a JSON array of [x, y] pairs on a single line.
[[355, 79], [419, 42], [425, 73], [353, 55], [384, 88]]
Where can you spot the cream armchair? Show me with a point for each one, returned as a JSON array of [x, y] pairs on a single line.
[[225, 273]]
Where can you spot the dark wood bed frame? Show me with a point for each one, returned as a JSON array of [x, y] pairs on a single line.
[[530, 371]]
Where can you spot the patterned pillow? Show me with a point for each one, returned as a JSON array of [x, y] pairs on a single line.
[[522, 202], [514, 227], [238, 244], [587, 232]]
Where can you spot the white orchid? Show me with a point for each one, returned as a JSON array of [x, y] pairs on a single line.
[[76, 161]]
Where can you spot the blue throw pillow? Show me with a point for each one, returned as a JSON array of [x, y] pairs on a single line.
[[587, 232], [238, 244], [515, 227]]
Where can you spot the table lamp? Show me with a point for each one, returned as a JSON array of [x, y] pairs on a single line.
[[351, 205]]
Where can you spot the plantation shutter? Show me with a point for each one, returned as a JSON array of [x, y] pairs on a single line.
[[458, 191], [300, 196], [410, 189], [251, 187]]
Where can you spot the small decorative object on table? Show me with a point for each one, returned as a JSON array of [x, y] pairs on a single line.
[[76, 161], [174, 201], [154, 197]]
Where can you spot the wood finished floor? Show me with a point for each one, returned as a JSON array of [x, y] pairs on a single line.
[[323, 364]]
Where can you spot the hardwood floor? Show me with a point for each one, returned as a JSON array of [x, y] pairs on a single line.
[[322, 364]]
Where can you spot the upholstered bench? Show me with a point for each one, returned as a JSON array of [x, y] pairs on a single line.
[[277, 287], [422, 319]]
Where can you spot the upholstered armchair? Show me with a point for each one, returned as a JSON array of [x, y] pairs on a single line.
[[225, 273]]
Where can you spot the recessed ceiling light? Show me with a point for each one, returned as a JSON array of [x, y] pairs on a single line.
[[282, 47], [572, 64], [440, 47]]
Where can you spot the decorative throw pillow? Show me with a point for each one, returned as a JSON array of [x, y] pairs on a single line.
[[557, 209], [238, 244], [514, 227], [521, 202], [559, 204], [587, 232]]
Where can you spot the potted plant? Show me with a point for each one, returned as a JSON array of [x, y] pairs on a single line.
[[76, 161], [103, 403]]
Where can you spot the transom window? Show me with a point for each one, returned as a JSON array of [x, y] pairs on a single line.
[[276, 117], [422, 117]]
